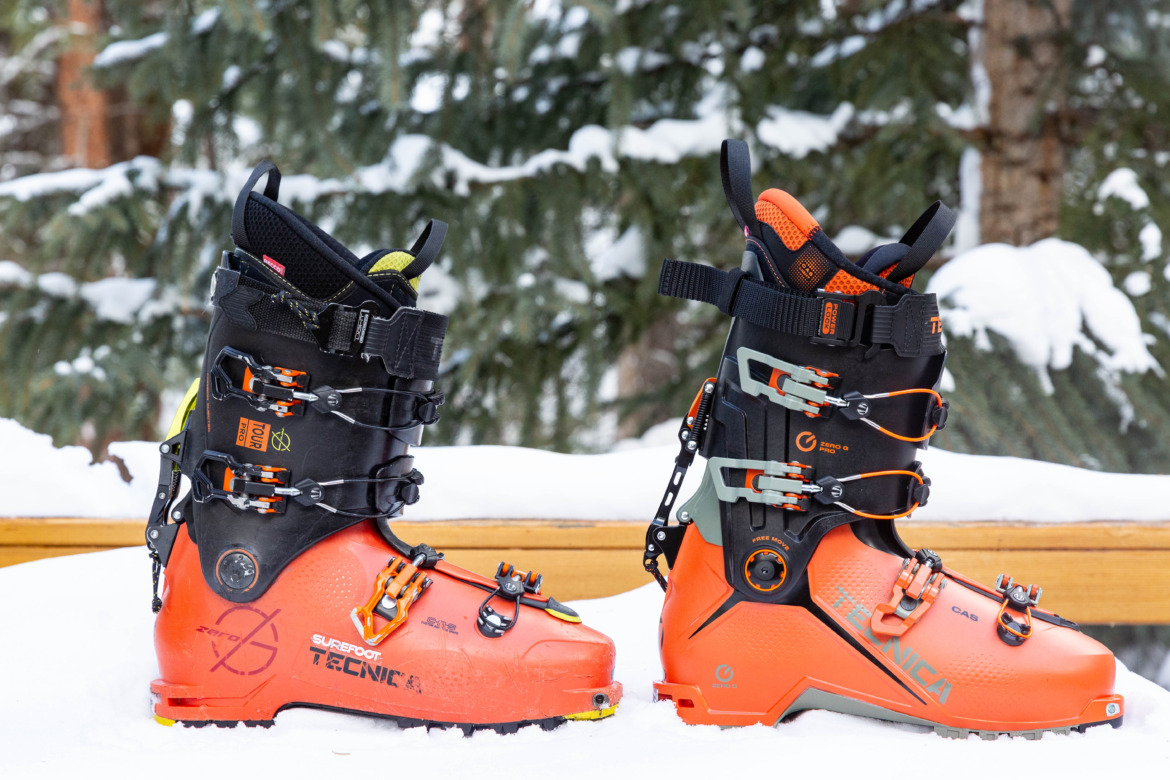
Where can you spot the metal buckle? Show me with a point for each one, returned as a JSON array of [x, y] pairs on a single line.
[[767, 482], [800, 388], [395, 588], [1020, 599], [511, 585], [282, 391], [246, 486], [915, 589]]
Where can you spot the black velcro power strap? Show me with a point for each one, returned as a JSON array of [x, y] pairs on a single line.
[[910, 326], [735, 164], [409, 343]]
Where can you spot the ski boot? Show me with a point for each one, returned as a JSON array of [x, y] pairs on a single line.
[[285, 585], [789, 586]]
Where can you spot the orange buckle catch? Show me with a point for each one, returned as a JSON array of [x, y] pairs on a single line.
[[395, 589], [916, 588]]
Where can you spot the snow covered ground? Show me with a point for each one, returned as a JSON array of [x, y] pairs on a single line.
[[74, 701], [39, 480]]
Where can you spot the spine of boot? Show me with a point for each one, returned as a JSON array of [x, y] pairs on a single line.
[[822, 397], [316, 380]]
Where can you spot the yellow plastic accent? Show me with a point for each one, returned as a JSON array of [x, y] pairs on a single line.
[[163, 721], [563, 616], [184, 410], [592, 714], [395, 261]]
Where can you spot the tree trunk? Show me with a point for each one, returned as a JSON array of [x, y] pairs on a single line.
[[85, 132], [1023, 162], [643, 368]]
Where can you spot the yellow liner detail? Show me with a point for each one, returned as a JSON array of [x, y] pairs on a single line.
[[185, 406], [592, 714], [394, 261], [163, 721]]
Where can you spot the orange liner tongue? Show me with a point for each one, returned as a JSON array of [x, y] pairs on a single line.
[[788, 218], [806, 268]]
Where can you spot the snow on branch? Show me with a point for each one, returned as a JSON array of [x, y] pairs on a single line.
[[1060, 298]]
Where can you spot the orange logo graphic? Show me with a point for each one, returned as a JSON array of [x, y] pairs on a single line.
[[935, 325], [806, 441], [253, 434], [829, 321]]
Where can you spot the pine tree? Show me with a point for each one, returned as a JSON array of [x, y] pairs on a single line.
[[570, 147]]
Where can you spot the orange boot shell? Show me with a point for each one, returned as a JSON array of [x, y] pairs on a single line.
[[297, 645], [757, 663]]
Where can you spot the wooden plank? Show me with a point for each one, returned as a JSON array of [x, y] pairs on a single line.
[[10, 556], [71, 531], [624, 535], [1091, 572], [1038, 536]]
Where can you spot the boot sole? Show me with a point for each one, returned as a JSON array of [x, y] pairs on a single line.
[[813, 699], [509, 727]]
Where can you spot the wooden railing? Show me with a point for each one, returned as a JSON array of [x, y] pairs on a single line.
[[1090, 572]]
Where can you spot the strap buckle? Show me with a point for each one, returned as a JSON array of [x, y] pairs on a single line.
[[342, 330], [1013, 622], [282, 391], [915, 589], [843, 317], [395, 588], [511, 585]]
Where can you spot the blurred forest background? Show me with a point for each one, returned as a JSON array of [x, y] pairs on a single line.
[[571, 146]]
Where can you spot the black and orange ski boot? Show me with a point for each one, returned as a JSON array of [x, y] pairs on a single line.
[[789, 586], [284, 583]]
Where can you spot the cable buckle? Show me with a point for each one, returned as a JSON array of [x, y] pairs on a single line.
[[800, 388], [917, 586], [395, 588], [1018, 600], [246, 486], [511, 585], [265, 388], [785, 485]]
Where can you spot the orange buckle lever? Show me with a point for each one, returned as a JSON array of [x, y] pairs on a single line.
[[916, 588], [1019, 599], [395, 589], [282, 391]]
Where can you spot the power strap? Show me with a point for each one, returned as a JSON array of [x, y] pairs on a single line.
[[911, 326], [409, 343]]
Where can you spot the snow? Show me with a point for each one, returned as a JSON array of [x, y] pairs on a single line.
[[1137, 283], [1123, 183], [118, 299], [855, 240], [127, 51], [551, 485], [1059, 295], [625, 256], [81, 699], [1151, 241]]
